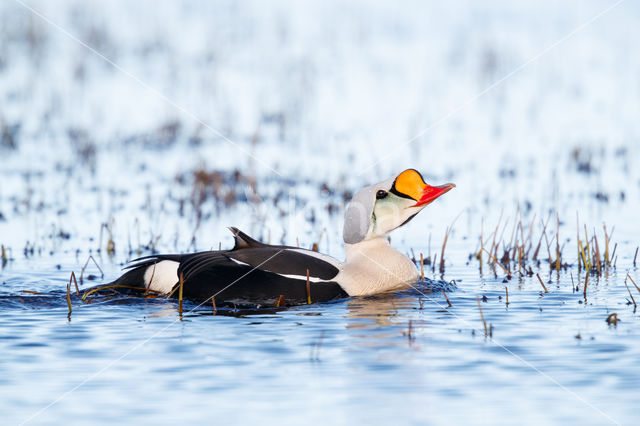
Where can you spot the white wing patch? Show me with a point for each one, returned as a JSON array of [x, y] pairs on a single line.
[[238, 262], [304, 278], [161, 276], [324, 257]]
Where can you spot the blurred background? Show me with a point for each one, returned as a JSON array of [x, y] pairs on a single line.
[[162, 115], [128, 128]]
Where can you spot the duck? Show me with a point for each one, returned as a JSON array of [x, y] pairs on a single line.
[[255, 272]]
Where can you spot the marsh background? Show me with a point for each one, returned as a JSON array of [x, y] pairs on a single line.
[[155, 125]]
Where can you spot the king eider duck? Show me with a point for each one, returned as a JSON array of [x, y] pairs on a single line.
[[256, 272]]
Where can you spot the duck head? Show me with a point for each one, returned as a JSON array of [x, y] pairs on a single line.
[[379, 209]]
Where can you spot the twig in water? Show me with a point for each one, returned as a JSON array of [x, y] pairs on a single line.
[[515, 226], [479, 253], [506, 271], [630, 295], [421, 267], [85, 267], [69, 299], [598, 263], [586, 249], [613, 255], [281, 301], [506, 290], [541, 283], [583, 256], [578, 242], [546, 240], [635, 256], [484, 323], [112, 286], [73, 277], [607, 260], [613, 319], [558, 243], [215, 308], [529, 237], [586, 279], [153, 273], [446, 298], [111, 246], [633, 282], [444, 244], [544, 227]]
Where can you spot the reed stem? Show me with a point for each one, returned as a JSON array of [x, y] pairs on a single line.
[[541, 283], [484, 323]]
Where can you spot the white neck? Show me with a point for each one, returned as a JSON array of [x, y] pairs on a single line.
[[373, 266]]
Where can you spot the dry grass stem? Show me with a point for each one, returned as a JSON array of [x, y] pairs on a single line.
[[85, 267], [444, 244], [558, 243], [607, 238], [586, 280], [541, 283], [112, 286], [69, 298], [153, 273], [598, 264], [633, 282], [630, 295], [484, 323], [446, 298]]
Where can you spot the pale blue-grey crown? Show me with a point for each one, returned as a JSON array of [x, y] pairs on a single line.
[[357, 219]]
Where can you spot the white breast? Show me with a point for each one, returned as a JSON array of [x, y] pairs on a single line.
[[161, 276], [373, 266]]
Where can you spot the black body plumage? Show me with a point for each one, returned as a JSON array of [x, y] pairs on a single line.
[[251, 272]]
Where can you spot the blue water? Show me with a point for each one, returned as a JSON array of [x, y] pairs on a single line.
[[153, 126], [401, 357]]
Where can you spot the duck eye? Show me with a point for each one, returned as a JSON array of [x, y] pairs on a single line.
[[381, 194]]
